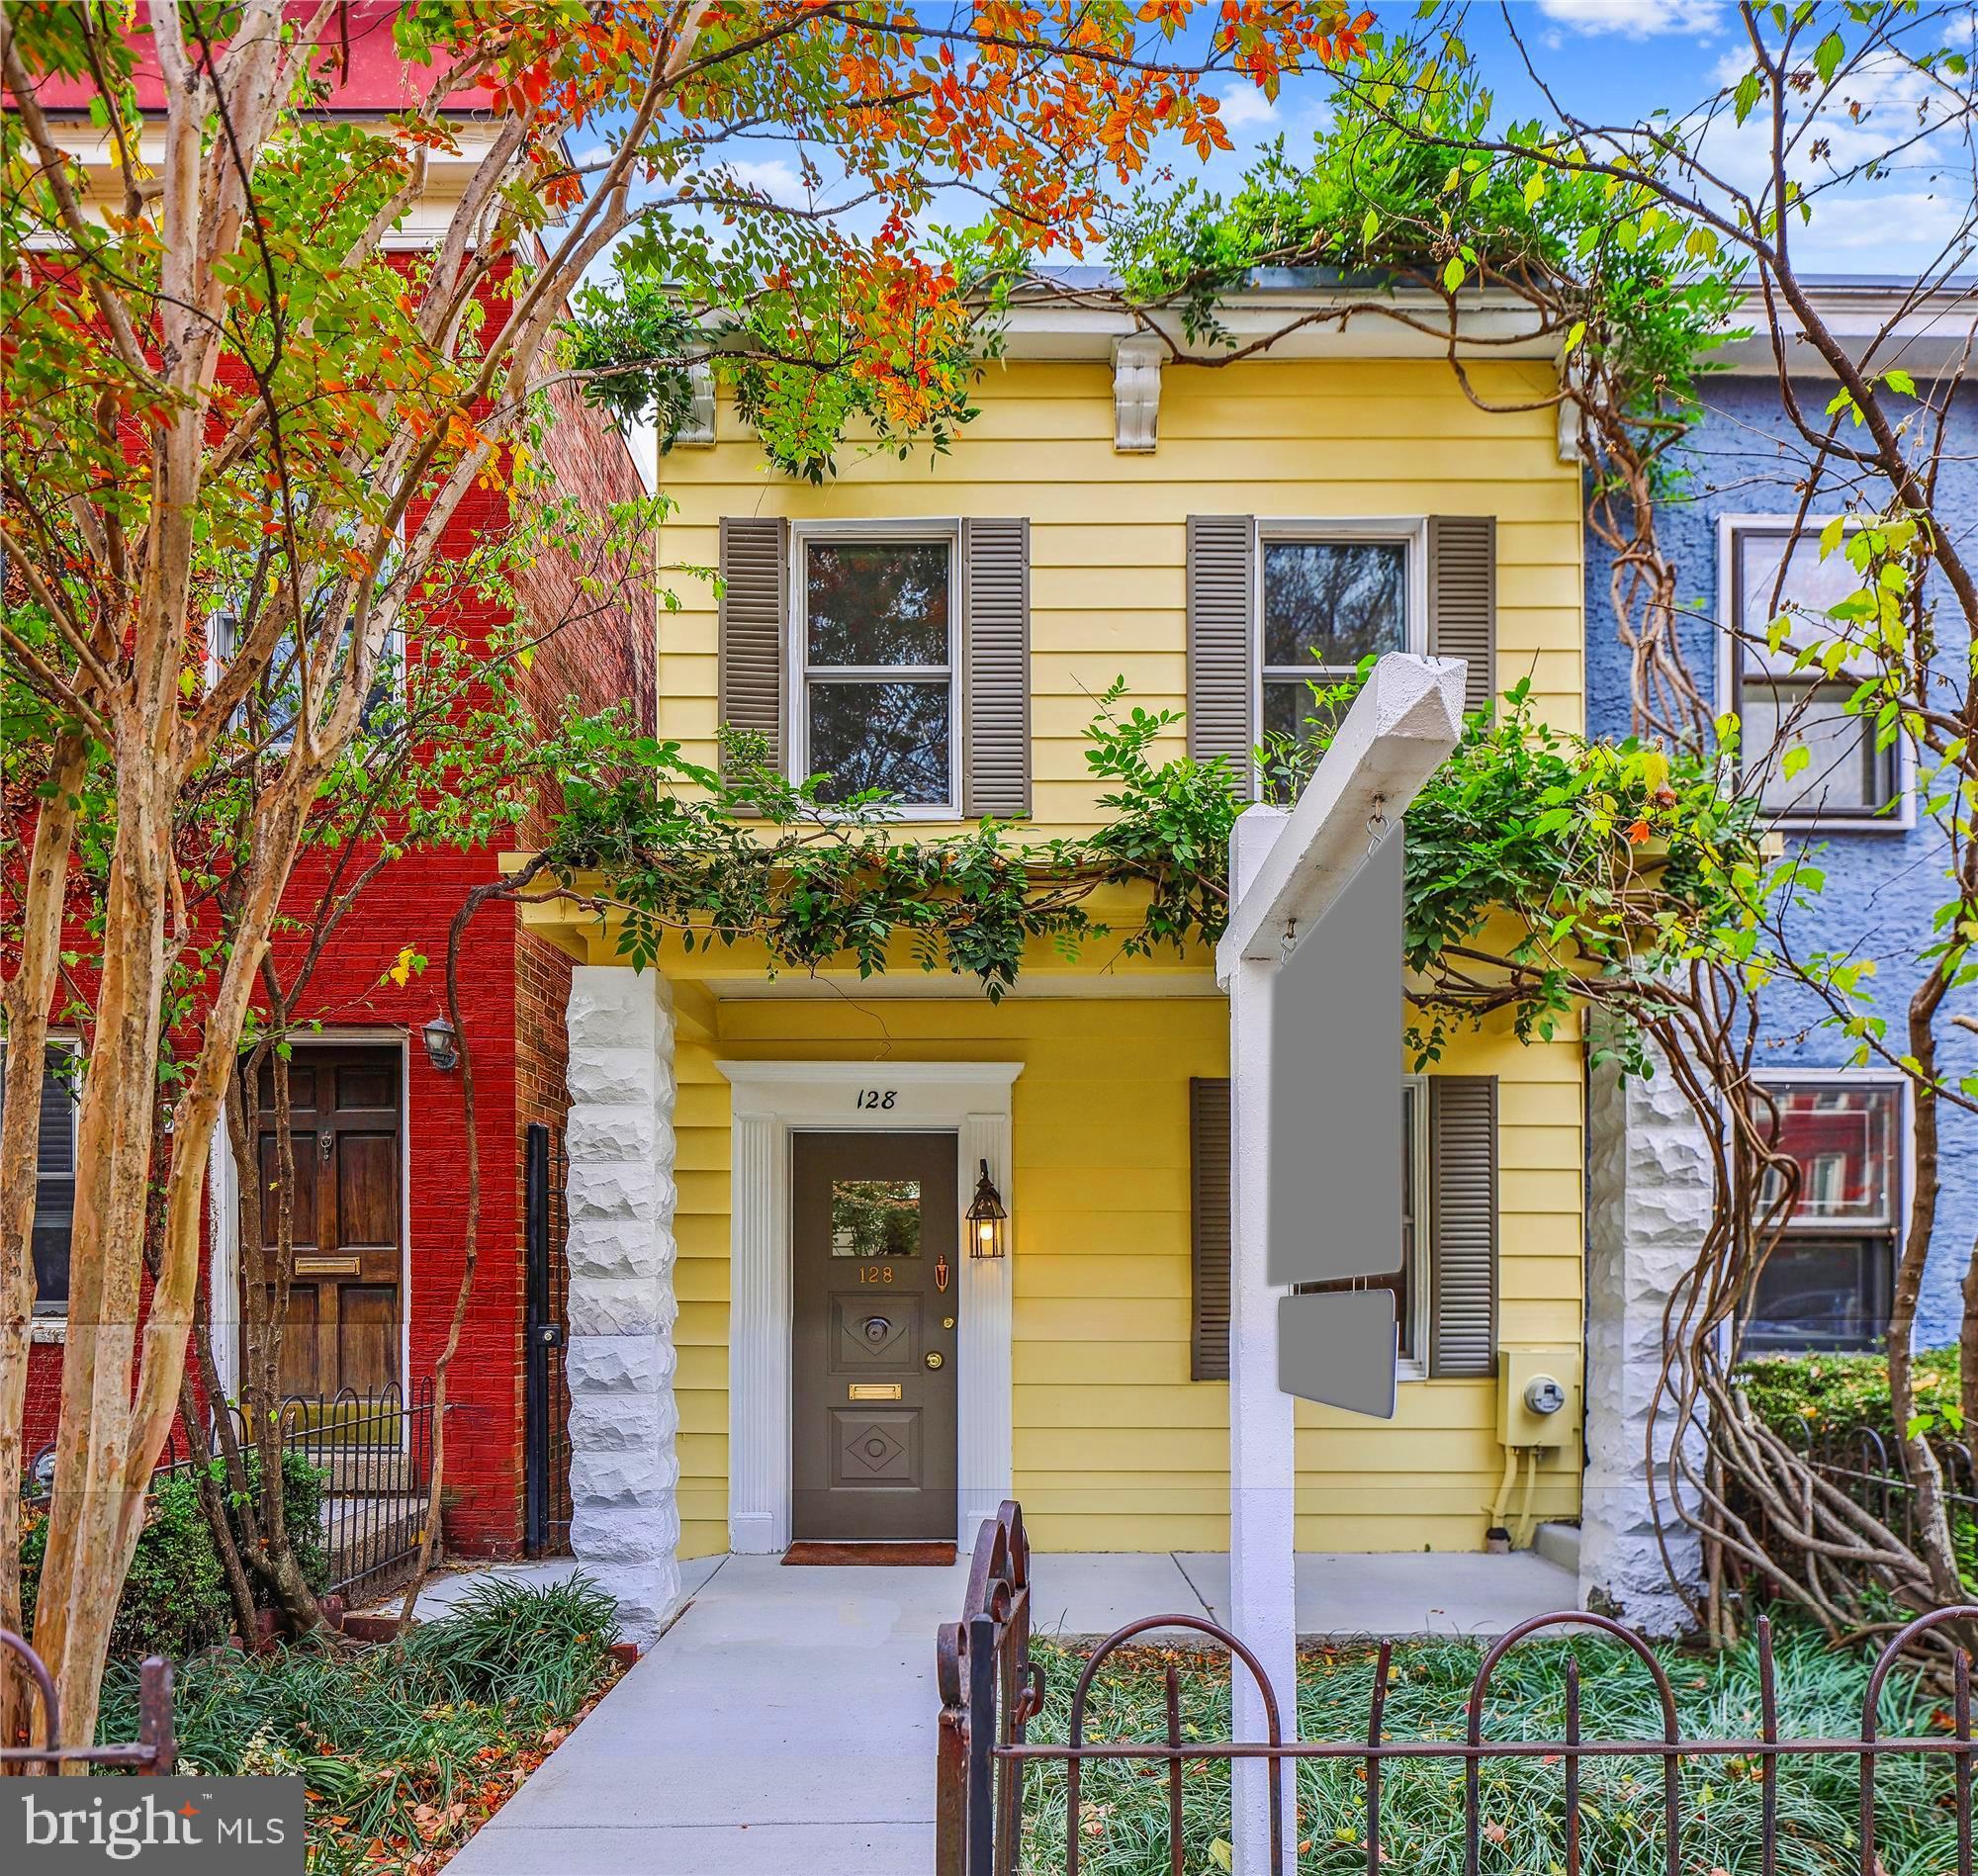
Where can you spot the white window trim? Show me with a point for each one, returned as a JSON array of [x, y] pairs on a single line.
[[1411, 530], [1903, 818], [796, 644]]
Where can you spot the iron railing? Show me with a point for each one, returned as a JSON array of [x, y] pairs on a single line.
[[1873, 1471], [375, 1452], [991, 1689], [546, 1238], [153, 1752]]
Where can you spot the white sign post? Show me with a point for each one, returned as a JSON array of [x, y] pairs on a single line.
[[1287, 867]]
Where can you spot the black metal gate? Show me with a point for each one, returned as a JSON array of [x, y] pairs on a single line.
[[547, 1388]]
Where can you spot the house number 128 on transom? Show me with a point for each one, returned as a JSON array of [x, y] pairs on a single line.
[[877, 1098]]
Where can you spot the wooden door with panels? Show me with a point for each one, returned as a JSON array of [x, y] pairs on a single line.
[[874, 1246], [345, 1300]]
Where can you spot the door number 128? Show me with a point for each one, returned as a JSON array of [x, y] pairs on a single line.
[[877, 1098]]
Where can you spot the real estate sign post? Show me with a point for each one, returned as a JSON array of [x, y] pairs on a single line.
[[1283, 954]]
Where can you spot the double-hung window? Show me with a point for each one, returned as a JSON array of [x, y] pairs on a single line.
[[1827, 1283], [277, 700], [874, 651], [1410, 1279], [55, 1181], [1773, 571], [1327, 598]]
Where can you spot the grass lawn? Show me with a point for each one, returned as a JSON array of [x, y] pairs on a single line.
[[407, 1746], [1122, 1818]]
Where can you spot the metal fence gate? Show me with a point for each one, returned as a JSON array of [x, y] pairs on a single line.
[[547, 1388]]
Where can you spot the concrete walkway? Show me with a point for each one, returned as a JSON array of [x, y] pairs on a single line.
[[784, 1724]]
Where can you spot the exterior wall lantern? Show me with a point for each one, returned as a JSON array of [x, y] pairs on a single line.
[[442, 1046], [986, 1218]]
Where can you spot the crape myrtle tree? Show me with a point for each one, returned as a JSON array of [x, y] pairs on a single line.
[[223, 369], [1639, 245]]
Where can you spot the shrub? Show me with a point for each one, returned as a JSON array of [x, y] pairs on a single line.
[[408, 1745], [1830, 1392], [175, 1599]]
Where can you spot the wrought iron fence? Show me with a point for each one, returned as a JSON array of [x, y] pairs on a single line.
[[153, 1752], [546, 1217], [1874, 1473], [375, 1453], [991, 1689]]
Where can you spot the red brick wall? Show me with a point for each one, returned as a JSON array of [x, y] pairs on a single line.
[[513, 991]]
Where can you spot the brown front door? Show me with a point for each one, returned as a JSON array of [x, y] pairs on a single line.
[[344, 1298], [874, 1243]]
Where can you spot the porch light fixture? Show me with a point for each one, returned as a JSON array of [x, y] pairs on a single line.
[[986, 1218], [442, 1046]]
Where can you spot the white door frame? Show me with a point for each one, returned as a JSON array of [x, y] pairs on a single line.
[[771, 1102]]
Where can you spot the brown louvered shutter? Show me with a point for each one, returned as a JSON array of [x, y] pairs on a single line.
[[995, 668], [1221, 576], [1463, 602], [1210, 1200], [1463, 1224], [755, 609]]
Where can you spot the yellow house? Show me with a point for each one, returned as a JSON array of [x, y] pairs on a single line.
[[788, 1161]]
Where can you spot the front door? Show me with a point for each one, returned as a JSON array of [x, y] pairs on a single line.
[[874, 1243], [344, 1307]]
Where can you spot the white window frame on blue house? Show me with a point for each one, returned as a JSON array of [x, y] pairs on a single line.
[[1900, 818]]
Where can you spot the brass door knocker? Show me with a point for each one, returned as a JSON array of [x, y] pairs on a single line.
[[941, 1274]]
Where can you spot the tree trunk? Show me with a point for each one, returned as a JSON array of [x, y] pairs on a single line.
[[25, 1000]]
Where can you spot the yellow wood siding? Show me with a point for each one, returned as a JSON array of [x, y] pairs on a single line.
[[1291, 440], [1115, 1446]]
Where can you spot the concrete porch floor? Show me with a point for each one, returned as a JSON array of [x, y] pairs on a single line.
[[785, 1722]]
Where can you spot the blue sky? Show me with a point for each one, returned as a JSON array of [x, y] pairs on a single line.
[[1614, 61], [1617, 60]]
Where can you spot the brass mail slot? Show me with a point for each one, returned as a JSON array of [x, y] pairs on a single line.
[[874, 1390], [327, 1267]]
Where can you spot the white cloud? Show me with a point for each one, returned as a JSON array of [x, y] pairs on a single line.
[[1636, 19], [1244, 108], [775, 178]]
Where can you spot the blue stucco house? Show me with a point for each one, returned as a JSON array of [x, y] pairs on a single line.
[[1883, 858]]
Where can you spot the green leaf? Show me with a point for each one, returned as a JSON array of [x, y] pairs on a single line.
[[1452, 274], [1369, 227], [1900, 380], [1795, 760], [1573, 337], [1827, 57]]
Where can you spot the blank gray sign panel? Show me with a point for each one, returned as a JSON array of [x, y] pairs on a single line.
[[1335, 1178], [1339, 1348]]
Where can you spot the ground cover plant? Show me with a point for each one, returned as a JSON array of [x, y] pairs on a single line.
[[408, 1746], [1123, 1811]]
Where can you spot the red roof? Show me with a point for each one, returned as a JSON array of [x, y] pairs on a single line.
[[367, 74]]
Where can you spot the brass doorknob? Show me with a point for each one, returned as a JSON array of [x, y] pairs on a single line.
[[934, 1358]]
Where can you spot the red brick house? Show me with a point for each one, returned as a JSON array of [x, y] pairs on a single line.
[[381, 1187]]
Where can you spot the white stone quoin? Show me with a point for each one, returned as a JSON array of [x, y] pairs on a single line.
[[624, 1471], [1649, 1189]]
